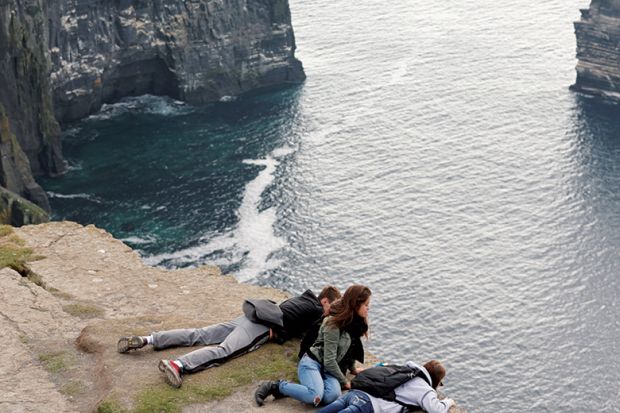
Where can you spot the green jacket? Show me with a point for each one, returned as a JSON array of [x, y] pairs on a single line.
[[330, 348]]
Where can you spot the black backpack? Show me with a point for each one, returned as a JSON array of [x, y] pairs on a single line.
[[380, 381]]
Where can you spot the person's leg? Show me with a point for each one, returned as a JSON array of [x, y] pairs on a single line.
[[357, 402], [310, 387], [187, 337], [332, 389], [337, 405], [245, 337]]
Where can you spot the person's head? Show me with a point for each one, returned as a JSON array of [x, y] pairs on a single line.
[[355, 301], [328, 295], [437, 372]]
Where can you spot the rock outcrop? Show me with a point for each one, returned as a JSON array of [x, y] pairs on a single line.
[[60, 325], [15, 210], [598, 36], [61, 60]]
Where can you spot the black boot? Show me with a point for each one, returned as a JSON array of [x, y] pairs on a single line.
[[265, 389]]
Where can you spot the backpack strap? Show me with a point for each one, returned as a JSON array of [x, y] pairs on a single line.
[[408, 408]]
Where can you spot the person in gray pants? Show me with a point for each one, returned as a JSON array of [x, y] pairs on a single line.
[[234, 338]]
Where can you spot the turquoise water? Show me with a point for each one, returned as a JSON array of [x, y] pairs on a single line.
[[434, 153]]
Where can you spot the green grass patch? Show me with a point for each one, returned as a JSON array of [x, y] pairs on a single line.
[[270, 362], [54, 362], [83, 311], [5, 230], [110, 406], [73, 388], [60, 294], [13, 254]]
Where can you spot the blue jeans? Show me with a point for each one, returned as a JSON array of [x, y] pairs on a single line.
[[354, 401], [314, 386]]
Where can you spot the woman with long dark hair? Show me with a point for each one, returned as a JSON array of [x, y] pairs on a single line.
[[322, 370]]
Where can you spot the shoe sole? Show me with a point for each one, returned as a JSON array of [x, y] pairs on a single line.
[[125, 344], [172, 378]]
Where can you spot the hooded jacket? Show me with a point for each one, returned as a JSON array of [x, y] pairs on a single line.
[[298, 315], [416, 392]]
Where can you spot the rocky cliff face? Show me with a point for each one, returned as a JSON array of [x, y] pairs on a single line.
[[598, 36], [60, 60], [196, 51], [29, 134]]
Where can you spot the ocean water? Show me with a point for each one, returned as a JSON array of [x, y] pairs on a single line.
[[435, 154]]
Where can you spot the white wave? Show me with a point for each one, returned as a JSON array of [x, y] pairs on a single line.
[[158, 105], [228, 98], [283, 151], [74, 196], [74, 167], [193, 254], [71, 132], [253, 242], [140, 241], [255, 230]]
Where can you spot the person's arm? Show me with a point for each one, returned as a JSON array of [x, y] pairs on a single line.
[[331, 337], [351, 367], [431, 404], [419, 393]]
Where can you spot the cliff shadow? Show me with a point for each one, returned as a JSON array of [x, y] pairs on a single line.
[[150, 76]]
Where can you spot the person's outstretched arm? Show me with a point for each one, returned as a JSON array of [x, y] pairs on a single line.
[[431, 404]]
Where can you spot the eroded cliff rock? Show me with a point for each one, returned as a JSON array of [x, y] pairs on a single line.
[[196, 51], [16, 211], [29, 133], [598, 36], [60, 60]]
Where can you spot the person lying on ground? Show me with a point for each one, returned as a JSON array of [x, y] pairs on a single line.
[[234, 338], [322, 368], [417, 393]]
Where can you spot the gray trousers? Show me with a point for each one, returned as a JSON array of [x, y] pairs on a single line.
[[224, 341]]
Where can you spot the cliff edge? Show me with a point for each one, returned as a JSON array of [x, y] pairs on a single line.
[[598, 36], [81, 289]]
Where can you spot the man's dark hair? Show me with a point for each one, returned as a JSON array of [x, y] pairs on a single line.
[[330, 292]]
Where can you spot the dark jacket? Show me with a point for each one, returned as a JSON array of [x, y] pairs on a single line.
[[298, 315], [310, 337]]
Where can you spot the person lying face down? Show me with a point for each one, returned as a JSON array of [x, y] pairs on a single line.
[[415, 392], [233, 338]]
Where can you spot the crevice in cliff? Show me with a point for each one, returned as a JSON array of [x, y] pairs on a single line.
[[150, 76]]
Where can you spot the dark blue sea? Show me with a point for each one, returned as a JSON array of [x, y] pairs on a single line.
[[434, 153]]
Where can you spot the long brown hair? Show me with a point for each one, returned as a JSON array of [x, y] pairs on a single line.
[[437, 372], [343, 310]]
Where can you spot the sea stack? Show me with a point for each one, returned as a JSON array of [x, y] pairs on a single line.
[[598, 36]]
